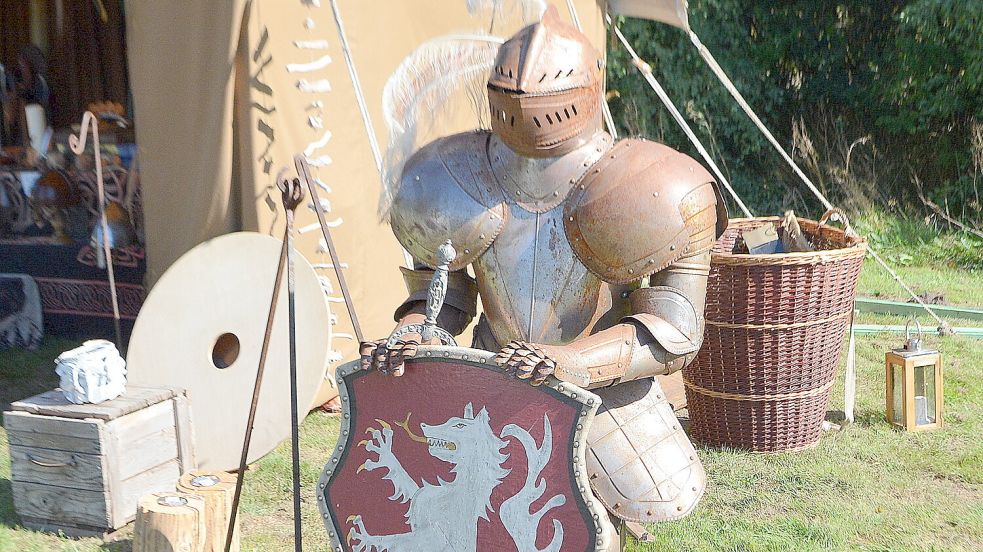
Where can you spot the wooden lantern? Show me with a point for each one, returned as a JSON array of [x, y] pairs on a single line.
[[914, 385]]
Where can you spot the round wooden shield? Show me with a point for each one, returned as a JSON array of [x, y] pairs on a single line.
[[455, 455], [201, 329]]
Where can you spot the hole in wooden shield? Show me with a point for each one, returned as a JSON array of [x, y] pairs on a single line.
[[225, 351]]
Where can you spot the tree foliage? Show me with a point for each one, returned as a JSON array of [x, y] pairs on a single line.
[[903, 79]]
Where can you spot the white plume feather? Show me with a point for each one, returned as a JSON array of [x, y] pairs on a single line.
[[440, 76], [506, 16], [425, 91]]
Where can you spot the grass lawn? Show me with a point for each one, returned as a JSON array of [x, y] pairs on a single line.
[[866, 488]]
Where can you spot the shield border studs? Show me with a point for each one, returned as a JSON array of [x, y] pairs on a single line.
[[589, 404]]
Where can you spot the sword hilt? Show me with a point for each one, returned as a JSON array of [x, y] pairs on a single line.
[[438, 289], [435, 301]]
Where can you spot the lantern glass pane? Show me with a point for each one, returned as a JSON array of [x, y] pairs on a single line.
[[897, 395], [925, 394]]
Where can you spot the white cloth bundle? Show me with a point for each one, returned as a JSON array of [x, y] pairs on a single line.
[[92, 373]]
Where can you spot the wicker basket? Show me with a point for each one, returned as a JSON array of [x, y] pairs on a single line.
[[774, 326]]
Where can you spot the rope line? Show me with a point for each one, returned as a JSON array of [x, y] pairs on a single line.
[[646, 70], [739, 98]]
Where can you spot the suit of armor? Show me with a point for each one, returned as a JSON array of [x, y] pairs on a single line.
[[560, 225]]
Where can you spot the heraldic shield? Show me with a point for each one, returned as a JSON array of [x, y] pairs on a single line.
[[456, 456]]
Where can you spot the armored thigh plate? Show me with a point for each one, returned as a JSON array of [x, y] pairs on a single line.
[[642, 465]]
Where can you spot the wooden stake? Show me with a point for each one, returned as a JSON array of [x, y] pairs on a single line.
[[217, 488], [167, 522]]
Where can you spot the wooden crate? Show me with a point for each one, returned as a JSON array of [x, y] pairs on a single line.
[[80, 469]]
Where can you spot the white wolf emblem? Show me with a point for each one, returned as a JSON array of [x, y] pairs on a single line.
[[444, 517]]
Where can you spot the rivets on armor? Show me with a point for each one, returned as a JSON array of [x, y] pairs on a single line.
[[679, 508], [624, 294], [466, 251], [489, 189], [321, 498], [690, 458], [481, 236], [617, 505], [322, 485], [570, 219], [631, 271], [590, 401], [574, 181], [672, 248], [648, 513], [586, 164], [655, 194], [620, 365], [651, 261], [579, 426], [555, 193], [428, 353], [694, 489], [582, 187], [417, 178], [627, 342]]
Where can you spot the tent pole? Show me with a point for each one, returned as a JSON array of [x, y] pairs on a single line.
[[360, 98]]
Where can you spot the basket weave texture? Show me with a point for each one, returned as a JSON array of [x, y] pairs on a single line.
[[774, 328]]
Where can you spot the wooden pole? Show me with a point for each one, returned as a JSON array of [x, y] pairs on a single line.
[[170, 521], [217, 488]]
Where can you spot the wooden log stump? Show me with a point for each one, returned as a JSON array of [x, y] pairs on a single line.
[[170, 522], [217, 488]]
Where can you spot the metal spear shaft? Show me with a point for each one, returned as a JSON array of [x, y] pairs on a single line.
[[293, 193], [257, 387], [304, 172]]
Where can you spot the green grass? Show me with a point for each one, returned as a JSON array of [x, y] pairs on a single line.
[[867, 488]]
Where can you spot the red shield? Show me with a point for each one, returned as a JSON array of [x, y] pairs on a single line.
[[454, 455]]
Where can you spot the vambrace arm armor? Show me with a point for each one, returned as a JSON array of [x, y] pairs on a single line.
[[660, 336], [460, 304]]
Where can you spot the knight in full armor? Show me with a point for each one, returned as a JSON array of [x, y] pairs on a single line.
[[590, 257]]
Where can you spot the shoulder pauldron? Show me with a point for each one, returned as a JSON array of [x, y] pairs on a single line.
[[640, 208], [445, 193]]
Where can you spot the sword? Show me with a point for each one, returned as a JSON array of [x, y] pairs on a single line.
[[435, 301]]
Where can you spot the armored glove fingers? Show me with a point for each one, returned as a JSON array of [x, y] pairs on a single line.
[[376, 356], [526, 361]]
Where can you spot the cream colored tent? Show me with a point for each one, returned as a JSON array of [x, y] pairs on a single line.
[[224, 95]]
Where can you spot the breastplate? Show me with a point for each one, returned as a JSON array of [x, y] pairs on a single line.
[[532, 286]]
